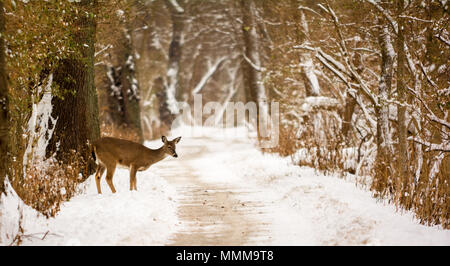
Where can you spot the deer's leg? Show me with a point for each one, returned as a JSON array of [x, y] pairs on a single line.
[[133, 177], [109, 177], [98, 176]]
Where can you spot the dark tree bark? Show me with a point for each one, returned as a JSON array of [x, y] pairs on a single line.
[[77, 112], [4, 128], [349, 109]]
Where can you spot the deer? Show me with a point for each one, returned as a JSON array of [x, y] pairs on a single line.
[[110, 152]]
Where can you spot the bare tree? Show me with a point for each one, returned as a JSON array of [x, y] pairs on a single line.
[[4, 123], [254, 84], [401, 93], [117, 84], [175, 53], [383, 169]]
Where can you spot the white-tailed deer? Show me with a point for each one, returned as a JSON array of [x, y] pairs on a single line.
[[111, 152]]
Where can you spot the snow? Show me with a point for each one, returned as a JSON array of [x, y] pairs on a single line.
[[296, 205], [308, 67], [9, 215], [304, 207], [38, 130], [172, 103], [115, 90], [177, 7], [312, 102], [143, 217], [120, 13], [130, 62]]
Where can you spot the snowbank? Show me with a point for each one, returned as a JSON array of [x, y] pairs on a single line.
[[143, 217]]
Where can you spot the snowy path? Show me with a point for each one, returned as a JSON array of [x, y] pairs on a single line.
[[223, 191], [231, 194], [213, 213]]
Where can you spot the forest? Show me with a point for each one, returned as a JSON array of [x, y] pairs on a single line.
[[362, 92]]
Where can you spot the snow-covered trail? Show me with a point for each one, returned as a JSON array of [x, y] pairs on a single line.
[[213, 213], [229, 193], [224, 191]]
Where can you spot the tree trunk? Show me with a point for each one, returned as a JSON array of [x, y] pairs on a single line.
[[401, 109], [382, 168], [120, 92], [4, 123], [77, 112], [165, 116], [350, 99], [254, 86], [349, 109], [175, 51], [310, 80]]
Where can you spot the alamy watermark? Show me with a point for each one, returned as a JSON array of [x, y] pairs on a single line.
[[260, 117]]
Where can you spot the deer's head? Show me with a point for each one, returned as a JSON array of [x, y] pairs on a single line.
[[170, 146]]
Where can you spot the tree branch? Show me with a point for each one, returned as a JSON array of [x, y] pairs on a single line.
[[208, 75], [442, 39], [444, 147], [256, 67]]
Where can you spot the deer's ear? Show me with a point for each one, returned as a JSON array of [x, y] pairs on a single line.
[[164, 139], [177, 139]]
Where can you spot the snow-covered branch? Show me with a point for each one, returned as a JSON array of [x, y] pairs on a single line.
[[417, 19], [436, 119], [211, 70], [385, 14], [430, 114], [339, 70], [362, 49], [342, 44], [177, 7], [442, 39], [319, 102], [394, 26], [444, 147], [349, 66], [102, 50], [336, 63], [370, 120], [328, 61], [309, 9], [427, 76], [255, 66], [334, 70]]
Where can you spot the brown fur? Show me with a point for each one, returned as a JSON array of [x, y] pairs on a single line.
[[111, 152]]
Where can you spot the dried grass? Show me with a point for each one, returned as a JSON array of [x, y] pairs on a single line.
[[121, 132], [427, 197], [47, 184]]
